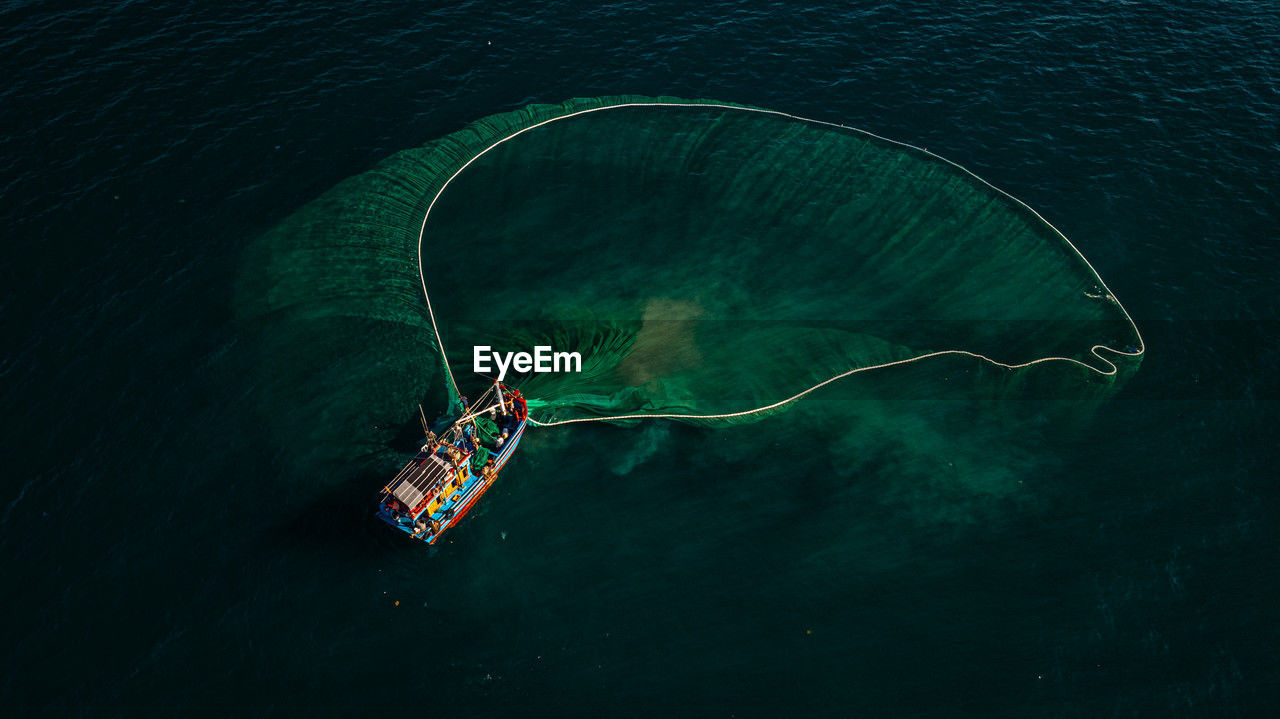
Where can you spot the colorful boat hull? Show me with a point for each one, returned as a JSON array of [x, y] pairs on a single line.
[[438, 511]]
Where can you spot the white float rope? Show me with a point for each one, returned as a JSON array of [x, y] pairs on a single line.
[[1096, 350]]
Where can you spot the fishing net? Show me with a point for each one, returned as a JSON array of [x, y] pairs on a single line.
[[486, 429], [478, 459], [709, 262]]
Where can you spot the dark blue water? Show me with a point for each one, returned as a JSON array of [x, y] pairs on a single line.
[[166, 550]]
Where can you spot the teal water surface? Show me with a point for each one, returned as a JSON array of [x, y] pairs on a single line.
[[186, 515]]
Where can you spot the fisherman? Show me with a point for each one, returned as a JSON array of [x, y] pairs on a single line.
[[501, 439]]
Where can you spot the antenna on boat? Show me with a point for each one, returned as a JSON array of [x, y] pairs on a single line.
[[423, 416]]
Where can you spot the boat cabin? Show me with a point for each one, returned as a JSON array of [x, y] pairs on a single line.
[[451, 470]]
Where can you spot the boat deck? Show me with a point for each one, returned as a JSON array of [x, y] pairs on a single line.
[[437, 488], [421, 478], [427, 474]]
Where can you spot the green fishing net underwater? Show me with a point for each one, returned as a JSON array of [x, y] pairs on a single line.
[[709, 263]]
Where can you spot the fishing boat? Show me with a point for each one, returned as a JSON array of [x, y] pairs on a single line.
[[454, 468]]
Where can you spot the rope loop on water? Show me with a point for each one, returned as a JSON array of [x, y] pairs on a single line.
[[1096, 350]]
